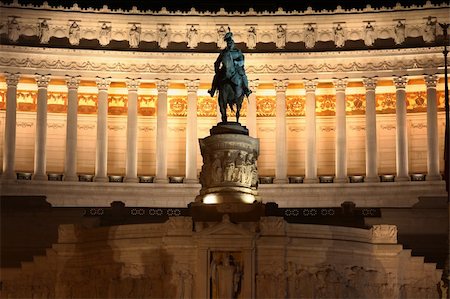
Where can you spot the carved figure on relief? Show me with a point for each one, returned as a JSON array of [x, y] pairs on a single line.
[[230, 78], [43, 32], [221, 43], [226, 277], [192, 37], [135, 36], [228, 167], [163, 37], [216, 169], [251, 37], [339, 36], [310, 36], [281, 37], [104, 35], [240, 173], [74, 34], [13, 30], [399, 31], [429, 32], [369, 35]]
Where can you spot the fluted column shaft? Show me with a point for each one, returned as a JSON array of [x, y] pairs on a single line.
[[101, 157], [191, 131], [40, 144], [70, 162], [9, 147], [341, 132], [251, 109], [310, 129], [280, 146], [371, 131], [402, 137], [132, 117], [432, 129], [161, 132]]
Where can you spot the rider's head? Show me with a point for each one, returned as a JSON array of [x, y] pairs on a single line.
[[229, 39]]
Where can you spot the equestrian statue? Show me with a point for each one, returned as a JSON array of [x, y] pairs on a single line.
[[230, 79]]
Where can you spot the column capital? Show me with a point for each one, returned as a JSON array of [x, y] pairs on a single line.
[[192, 85], [162, 85], [370, 83], [12, 79], [340, 84], [42, 80], [281, 85], [103, 83], [400, 82], [72, 82], [431, 80], [310, 85], [253, 85], [133, 83]]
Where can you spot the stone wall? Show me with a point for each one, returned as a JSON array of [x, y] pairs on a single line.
[[175, 260]]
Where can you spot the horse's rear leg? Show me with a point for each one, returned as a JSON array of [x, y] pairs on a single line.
[[223, 111]]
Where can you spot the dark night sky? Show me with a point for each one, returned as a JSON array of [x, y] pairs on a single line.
[[230, 5]]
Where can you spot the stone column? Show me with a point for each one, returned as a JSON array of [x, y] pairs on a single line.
[[371, 131], [402, 134], [191, 131], [280, 139], [341, 132], [432, 129], [132, 117], [101, 157], [310, 129], [70, 162], [9, 147], [40, 143], [251, 108], [161, 132]]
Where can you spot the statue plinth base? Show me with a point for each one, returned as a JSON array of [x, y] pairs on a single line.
[[229, 174]]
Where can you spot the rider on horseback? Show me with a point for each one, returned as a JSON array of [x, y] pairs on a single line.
[[233, 55]]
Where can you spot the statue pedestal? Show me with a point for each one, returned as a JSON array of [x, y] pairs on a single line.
[[229, 176]]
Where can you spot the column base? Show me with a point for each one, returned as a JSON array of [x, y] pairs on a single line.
[[433, 177], [40, 177], [311, 181], [340, 180], [372, 179], [101, 179], [8, 176], [131, 180], [190, 181], [161, 180], [402, 178], [280, 181], [71, 178]]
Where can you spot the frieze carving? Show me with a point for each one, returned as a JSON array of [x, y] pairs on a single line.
[[418, 125], [55, 125], [296, 129], [24, 124], [295, 106], [177, 106], [206, 106], [384, 233], [86, 127], [358, 128], [272, 226], [176, 129], [327, 129], [116, 128], [146, 129], [388, 127]]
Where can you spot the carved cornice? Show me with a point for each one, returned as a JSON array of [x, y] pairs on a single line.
[[103, 83], [281, 85], [370, 84], [431, 80], [133, 84], [42, 80], [400, 82], [12, 79], [192, 85]]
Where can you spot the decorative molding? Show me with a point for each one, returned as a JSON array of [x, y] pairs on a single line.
[[358, 128], [12, 79], [400, 82], [281, 85], [42, 80], [384, 233], [370, 84], [133, 84], [340, 84], [86, 127], [146, 129], [24, 124], [73, 82], [103, 83], [310, 85], [296, 129], [327, 129], [418, 125], [431, 80], [116, 128], [55, 125], [388, 127], [192, 85], [266, 129], [162, 85], [176, 129]]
